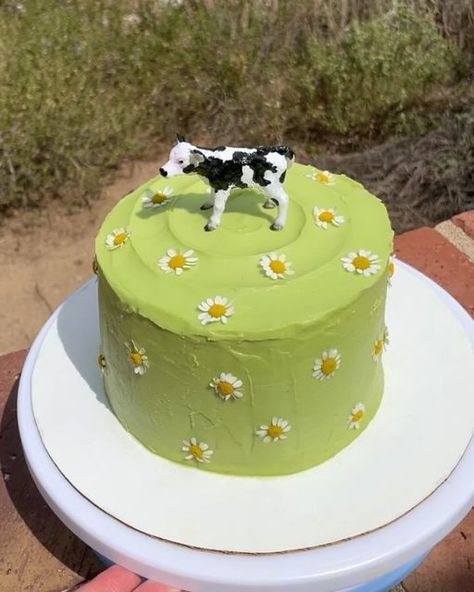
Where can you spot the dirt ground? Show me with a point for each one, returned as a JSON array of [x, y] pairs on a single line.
[[46, 255]]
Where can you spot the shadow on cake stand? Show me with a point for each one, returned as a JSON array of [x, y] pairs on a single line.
[[371, 562]]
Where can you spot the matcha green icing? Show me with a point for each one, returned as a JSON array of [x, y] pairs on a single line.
[[295, 372]]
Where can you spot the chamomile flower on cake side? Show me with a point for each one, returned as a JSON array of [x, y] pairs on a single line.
[[101, 362], [214, 310], [380, 345], [227, 386], [355, 418], [198, 451], [327, 365], [361, 262], [391, 268], [137, 358], [276, 430]]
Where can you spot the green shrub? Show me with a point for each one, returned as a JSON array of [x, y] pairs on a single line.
[[366, 81], [85, 83]]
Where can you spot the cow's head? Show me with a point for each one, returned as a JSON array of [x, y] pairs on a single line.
[[183, 158]]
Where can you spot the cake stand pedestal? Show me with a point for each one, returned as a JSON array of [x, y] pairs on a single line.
[[100, 482]]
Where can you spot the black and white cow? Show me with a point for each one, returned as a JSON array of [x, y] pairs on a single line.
[[227, 168]]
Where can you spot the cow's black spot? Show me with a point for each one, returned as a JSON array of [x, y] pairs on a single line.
[[259, 164], [280, 149], [216, 149], [275, 201], [190, 168], [282, 177], [223, 174]]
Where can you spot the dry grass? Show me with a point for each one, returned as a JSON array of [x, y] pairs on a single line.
[[86, 83], [422, 181]]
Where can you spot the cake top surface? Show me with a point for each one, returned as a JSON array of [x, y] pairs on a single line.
[[244, 281]]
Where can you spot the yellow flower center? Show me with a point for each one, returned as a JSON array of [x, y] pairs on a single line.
[[361, 262], [197, 451], [391, 269], [136, 358], [378, 347], [159, 197], [326, 216], [328, 366], [323, 177], [357, 416], [177, 261], [275, 431], [225, 388], [120, 238], [216, 310], [277, 266]]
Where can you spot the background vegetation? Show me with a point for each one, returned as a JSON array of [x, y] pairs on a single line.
[[86, 83]]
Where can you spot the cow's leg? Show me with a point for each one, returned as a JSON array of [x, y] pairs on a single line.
[[219, 205], [210, 202], [278, 195], [269, 204]]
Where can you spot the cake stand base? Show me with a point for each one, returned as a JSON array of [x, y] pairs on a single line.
[[96, 481]]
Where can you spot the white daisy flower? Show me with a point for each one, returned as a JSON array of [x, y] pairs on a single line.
[[324, 177], [101, 363], [363, 262], [276, 266], [117, 238], [215, 309], [380, 345], [391, 268], [137, 358], [227, 386], [323, 217], [155, 199], [325, 366], [177, 262], [356, 416], [197, 451], [277, 430]]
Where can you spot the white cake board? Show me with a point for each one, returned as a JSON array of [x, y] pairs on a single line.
[[404, 455]]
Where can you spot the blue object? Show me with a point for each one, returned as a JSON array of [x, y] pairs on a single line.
[[387, 581]]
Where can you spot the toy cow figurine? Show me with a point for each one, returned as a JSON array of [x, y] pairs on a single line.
[[227, 168]]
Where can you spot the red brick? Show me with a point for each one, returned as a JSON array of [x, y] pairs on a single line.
[[450, 566], [429, 252], [10, 366], [466, 222]]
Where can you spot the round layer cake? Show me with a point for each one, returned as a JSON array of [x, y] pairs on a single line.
[[243, 350]]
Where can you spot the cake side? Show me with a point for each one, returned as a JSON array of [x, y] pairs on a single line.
[[295, 373]]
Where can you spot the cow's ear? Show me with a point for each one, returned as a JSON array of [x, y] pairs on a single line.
[[180, 138], [196, 157]]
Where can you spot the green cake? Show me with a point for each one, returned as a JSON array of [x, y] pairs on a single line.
[[242, 350]]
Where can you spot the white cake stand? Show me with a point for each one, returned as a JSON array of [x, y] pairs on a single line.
[[96, 482]]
